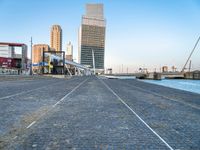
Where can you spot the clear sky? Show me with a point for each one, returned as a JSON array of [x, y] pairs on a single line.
[[139, 33]]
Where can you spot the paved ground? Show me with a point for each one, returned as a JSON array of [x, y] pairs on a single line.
[[97, 113]]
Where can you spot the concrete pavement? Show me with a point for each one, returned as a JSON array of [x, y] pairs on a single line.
[[97, 113]]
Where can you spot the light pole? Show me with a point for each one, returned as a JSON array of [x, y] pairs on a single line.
[[93, 62], [31, 72]]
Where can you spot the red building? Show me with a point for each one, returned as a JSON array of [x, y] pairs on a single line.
[[10, 59]]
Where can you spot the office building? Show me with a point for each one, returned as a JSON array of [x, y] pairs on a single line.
[[37, 56], [69, 52], [56, 38], [9, 58], [6, 51], [92, 38]]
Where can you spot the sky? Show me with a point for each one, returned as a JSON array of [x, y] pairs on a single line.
[[139, 33]]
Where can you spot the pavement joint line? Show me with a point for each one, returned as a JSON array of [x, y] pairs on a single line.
[[165, 97], [58, 102], [136, 115], [31, 124], [24, 92], [69, 93]]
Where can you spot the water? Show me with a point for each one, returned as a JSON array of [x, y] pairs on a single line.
[[126, 77], [187, 85], [121, 77]]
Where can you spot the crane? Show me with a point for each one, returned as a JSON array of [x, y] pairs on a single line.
[[190, 55]]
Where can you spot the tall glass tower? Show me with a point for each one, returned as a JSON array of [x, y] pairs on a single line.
[[92, 37]]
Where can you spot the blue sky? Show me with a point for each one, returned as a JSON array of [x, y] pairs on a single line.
[[140, 33]]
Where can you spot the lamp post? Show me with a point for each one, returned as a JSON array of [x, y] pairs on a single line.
[[93, 61], [31, 72]]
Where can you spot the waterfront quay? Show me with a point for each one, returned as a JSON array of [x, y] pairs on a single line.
[[93, 112]]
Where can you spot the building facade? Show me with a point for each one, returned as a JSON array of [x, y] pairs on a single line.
[[37, 57], [165, 69], [56, 37], [6, 51], [10, 59], [69, 52], [92, 38]]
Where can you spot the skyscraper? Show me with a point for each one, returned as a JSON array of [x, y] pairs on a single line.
[[92, 37], [69, 49], [69, 52], [56, 37]]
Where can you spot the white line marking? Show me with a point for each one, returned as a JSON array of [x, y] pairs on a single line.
[[57, 102], [137, 116], [31, 124], [15, 137], [25, 91], [29, 90], [69, 93]]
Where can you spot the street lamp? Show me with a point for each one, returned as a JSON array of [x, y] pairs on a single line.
[[93, 61], [31, 72]]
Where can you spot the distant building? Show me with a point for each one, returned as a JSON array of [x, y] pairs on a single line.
[[109, 71], [6, 51], [164, 69], [195, 75], [37, 56], [56, 37], [92, 37], [69, 52], [52, 49], [10, 59], [174, 69]]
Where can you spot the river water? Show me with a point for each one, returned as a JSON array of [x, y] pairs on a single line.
[[187, 85]]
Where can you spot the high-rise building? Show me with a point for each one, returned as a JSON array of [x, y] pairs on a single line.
[[69, 52], [92, 38], [56, 37], [37, 54], [69, 49]]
